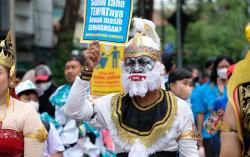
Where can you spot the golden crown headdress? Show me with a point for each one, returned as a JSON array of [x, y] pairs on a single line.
[[145, 42], [7, 53]]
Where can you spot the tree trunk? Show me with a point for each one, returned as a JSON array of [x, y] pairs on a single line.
[[65, 38], [148, 7], [144, 9], [70, 15]]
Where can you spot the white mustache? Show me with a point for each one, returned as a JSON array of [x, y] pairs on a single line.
[[139, 84]]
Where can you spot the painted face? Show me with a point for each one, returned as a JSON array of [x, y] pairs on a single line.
[[137, 66], [141, 76], [140, 64]]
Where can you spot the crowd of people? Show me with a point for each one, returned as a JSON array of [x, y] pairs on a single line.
[[162, 110], [66, 136]]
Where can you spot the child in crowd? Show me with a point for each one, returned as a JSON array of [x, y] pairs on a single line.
[[28, 92], [180, 83]]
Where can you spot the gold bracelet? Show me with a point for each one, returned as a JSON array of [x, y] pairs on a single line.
[[86, 69], [85, 74]]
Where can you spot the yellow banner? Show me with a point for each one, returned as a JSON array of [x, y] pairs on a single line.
[[107, 75]]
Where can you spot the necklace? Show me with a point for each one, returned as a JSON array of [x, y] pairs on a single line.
[[6, 108], [3, 117]]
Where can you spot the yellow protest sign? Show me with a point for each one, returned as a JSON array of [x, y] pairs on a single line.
[[106, 77]]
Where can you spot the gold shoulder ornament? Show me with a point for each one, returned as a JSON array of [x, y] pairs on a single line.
[[41, 135]]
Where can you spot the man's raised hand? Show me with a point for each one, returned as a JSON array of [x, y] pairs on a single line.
[[92, 55]]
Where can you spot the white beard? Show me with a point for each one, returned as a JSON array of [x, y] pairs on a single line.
[[140, 88]]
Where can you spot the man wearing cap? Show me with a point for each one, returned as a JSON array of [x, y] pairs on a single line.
[[145, 120], [44, 81]]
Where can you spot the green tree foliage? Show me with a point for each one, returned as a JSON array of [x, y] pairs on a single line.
[[63, 49], [218, 30], [65, 39], [170, 34]]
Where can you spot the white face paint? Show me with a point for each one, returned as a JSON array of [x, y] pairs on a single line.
[[222, 73], [141, 64], [35, 104], [44, 86], [137, 81]]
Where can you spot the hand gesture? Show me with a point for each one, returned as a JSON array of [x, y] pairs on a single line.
[[92, 55]]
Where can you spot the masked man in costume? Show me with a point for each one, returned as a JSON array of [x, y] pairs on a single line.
[[145, 120], [236, 141]]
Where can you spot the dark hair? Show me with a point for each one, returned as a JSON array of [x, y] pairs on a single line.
[[213, 77], [191, 69], [176, 75], [167, 61], [78, 58], [27, 92], [209, 62]]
